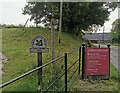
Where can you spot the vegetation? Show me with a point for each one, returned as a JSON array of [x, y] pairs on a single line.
[[76, 17], [115, 32], [11, 26], [16, 44], [116, 44]]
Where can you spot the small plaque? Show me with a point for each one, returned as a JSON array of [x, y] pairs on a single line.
[[36, 50], [39, 42]]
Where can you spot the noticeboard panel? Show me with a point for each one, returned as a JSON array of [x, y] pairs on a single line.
[[97, 61]]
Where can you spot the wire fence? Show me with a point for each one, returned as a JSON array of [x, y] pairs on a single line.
[[64, 75]]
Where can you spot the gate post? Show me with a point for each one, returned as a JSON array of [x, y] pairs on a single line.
[[79, 62], [65, 72], [108, 45], [83, 60]]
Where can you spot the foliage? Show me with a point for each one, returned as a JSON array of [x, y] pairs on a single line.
[[76, 16], [16, 44], [11, 26], [115, 32]]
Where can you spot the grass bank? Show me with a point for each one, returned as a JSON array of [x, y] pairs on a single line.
[[116, 44], [16, 44]]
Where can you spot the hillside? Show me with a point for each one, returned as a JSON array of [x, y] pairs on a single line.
[[16, 44]]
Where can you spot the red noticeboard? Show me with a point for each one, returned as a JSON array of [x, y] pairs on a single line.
[[97, 61]]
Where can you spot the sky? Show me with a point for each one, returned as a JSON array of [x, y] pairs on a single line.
[[11, 13], [113, 16]]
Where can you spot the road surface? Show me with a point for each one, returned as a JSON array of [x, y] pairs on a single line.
[[114, 56]]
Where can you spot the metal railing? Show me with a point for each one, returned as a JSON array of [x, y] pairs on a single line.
[[65, 56]]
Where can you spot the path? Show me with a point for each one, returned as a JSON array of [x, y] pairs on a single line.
[[3, 60]]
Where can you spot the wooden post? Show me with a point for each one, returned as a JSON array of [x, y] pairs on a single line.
[[40, 70], [52, 39], [83, 61], [25, 23], [60, 22], [39, 45], [79, 62]]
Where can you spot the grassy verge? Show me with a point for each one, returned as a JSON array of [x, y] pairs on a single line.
[[116, 44], [100, 85], [16, 44]]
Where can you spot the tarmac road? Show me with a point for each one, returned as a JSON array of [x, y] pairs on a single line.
[[114, 56]]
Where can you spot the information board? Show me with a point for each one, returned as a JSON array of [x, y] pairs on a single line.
[[97, 61]]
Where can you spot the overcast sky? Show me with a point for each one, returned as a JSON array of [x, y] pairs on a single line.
[[11, 13]]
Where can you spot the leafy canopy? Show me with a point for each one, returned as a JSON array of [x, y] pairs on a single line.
[[115, 32], [76, 17]]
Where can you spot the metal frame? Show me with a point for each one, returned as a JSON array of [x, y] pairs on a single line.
[[44, 65]]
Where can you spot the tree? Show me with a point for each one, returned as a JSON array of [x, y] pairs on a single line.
[[77, 17], [42, 12], [115, 32]]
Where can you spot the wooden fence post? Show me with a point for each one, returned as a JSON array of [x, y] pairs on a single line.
[[79, 62], [83, 61], [40, 70]]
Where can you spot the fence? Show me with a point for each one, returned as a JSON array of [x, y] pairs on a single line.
[[66, 69], [65, 73]]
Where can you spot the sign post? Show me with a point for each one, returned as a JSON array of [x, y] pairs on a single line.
[[83, 61], [40, 70], [39, 45], [52, 39], [108, 45]]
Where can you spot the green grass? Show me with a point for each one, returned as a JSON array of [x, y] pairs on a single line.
[[116, 44], [16, 44]]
